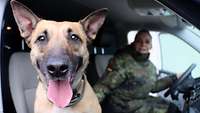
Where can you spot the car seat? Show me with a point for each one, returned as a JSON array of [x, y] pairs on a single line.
[[101, 62], [106, 49], [22, 81]]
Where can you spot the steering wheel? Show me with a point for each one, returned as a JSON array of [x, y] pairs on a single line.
[[176, 87]]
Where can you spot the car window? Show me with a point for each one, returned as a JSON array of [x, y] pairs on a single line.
[[177, 55]]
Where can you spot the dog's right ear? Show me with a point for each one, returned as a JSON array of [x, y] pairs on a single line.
[[25, 18]]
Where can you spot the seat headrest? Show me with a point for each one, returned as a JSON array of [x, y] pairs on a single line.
[[105, 40]]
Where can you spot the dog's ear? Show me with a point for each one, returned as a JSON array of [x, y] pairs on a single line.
[[24, 17], [93, 22]]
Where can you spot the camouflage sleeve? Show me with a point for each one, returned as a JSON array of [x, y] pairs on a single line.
[[142, 91], [151, 86], [156, 86], [163, 83], [113, 77]]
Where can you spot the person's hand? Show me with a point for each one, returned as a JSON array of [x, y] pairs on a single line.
[[178, 75]]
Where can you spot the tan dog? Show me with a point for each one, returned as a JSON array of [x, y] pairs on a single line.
[[59, 54]]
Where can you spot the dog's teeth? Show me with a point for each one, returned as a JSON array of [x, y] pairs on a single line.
[[64, 71], [51, 72]]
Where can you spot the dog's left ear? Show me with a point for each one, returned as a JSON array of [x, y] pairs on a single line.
[[92, 23]]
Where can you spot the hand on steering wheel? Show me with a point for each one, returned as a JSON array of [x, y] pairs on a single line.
[[182, 84]]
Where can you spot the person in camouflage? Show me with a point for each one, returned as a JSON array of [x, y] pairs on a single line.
[[129, 78]]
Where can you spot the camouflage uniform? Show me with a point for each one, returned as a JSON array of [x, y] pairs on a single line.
[[128, 79]]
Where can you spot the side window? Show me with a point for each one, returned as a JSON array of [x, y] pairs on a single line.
[[177, 55]]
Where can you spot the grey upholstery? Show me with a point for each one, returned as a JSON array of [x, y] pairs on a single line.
[[23, 82], [101, 62]]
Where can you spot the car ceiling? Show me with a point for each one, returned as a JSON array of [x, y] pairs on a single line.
[[121, 12], [124, 11], [185, 8]]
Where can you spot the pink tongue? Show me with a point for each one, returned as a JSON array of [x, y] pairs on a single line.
[[60, 92]]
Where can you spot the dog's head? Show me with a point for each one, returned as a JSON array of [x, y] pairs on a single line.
[[58, 49]]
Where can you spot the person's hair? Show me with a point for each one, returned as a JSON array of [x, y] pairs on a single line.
[[140, 32]]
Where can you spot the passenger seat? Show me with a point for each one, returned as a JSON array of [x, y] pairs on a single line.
[[101, 62], [23, 82], [107, 46]]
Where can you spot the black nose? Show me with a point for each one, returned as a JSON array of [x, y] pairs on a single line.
[[57, 70]]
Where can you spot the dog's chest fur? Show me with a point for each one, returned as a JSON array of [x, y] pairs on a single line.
[[88, 103], [55, 109]]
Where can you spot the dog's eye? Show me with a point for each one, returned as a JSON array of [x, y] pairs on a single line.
[[41, 38], [75, 37]]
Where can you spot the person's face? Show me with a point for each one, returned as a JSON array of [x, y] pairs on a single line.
[[143, 43]]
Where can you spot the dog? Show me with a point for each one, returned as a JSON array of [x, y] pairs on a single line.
[[59, 54]]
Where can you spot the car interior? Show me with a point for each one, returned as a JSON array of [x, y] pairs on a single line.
[[18, 77]]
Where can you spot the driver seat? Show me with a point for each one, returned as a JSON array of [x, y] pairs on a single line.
[[23, 82]]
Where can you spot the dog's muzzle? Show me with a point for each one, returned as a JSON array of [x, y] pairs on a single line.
[[57, 68], [60, 72]]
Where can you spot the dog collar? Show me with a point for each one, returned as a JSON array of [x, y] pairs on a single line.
[[78, 92]]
